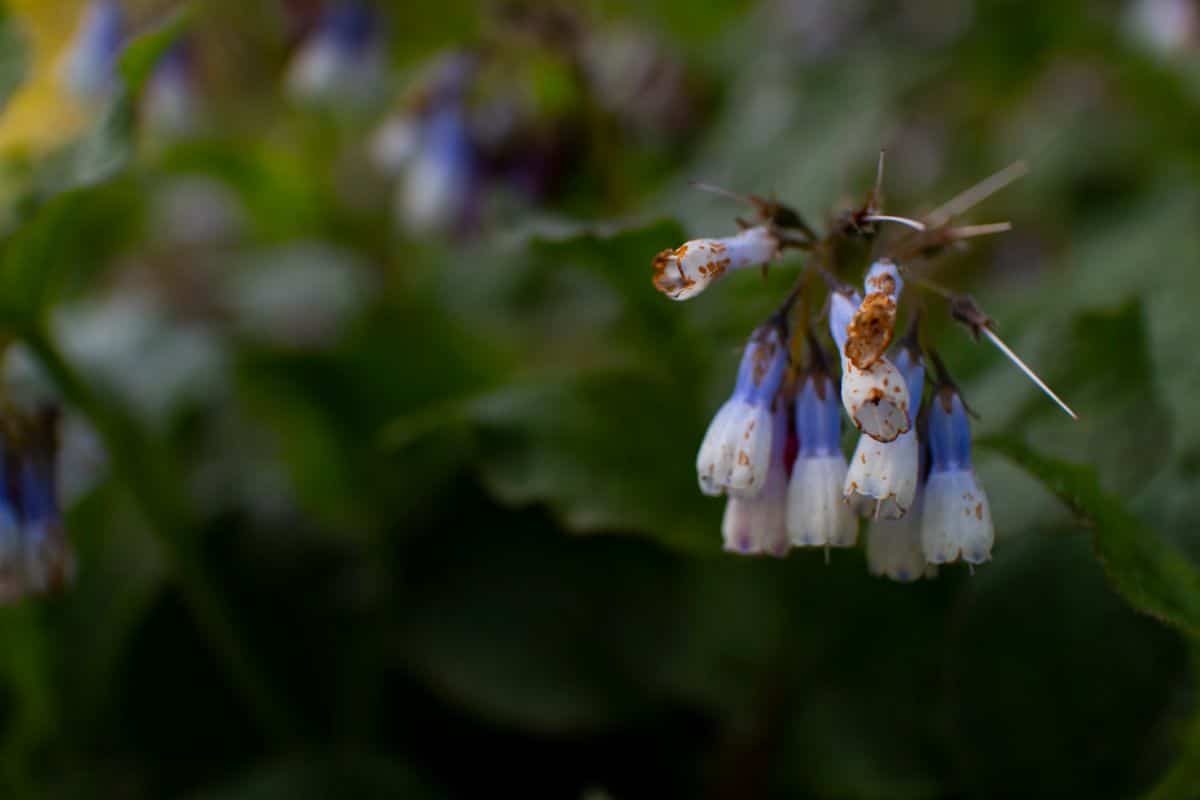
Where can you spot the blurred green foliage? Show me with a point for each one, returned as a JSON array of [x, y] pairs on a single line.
[[449, 540]]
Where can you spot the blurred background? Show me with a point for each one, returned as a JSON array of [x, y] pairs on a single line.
[[377, 454]]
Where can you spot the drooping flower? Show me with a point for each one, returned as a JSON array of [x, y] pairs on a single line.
[[883, 476], [956, 521], [894, 548], [687, 270], [735, 453], [816, 515], [758, 524], [90, 67]]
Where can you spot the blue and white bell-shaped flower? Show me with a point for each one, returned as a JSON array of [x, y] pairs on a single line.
[[687, 270], [816, 515], [883, 476], [955, 521], [736, 450], [758, 524]]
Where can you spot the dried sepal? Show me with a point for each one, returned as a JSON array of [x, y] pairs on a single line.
[[870, 331]]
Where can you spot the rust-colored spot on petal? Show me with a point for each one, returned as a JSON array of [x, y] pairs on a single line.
[[743, 459], [870, 332], [762, 361], [979, 511], [883, 283]]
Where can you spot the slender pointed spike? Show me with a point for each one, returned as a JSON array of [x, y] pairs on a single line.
[[720, 190], [876, 516], [879, 175], [1029, 373], [977, 193], [931, 286], [970, 231], [912, 223]]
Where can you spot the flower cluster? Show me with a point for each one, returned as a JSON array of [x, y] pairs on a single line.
[[35, 556], [775, 446]]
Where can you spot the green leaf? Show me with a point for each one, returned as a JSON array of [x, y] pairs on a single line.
[[66, 241], [1183, 777], [1103, 364], [26, 677], [140, 57], [602, 418], [1151, 574], [608, 452]]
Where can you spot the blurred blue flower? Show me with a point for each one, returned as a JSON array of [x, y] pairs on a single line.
[[170, 106], [341, 64], [90, 68]]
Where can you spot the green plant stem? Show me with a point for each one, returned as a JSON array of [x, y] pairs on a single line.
[[149, 474]]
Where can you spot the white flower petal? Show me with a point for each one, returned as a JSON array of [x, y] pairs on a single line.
[[894, 549], [756, 525], [956, 521], [816, 515], [750, 436], [882, 479], [715, 460]]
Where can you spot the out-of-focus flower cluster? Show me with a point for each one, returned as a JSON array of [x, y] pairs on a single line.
[[775, 447], [510, 120]]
